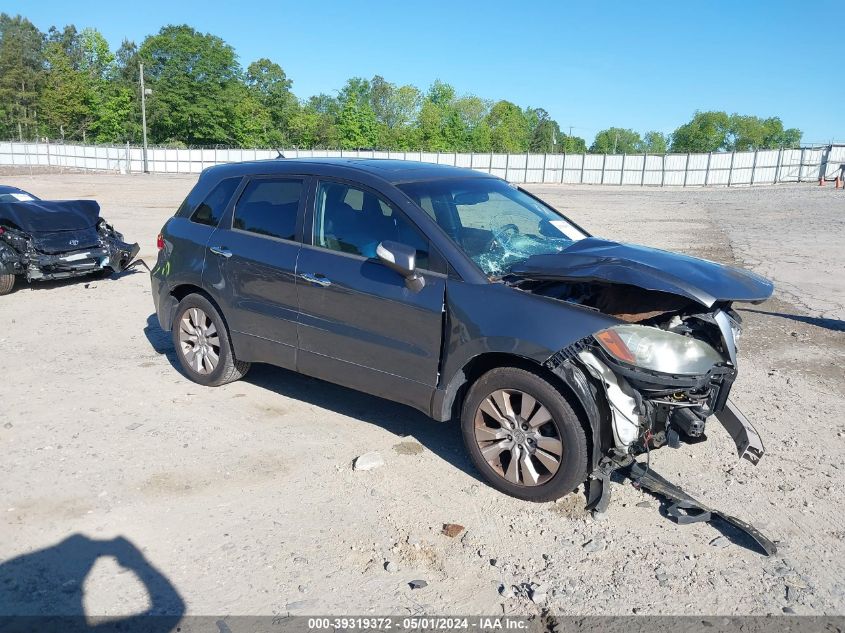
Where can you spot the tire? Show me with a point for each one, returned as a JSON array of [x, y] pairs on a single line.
[[538, 479], [7, 282], [199, 326]]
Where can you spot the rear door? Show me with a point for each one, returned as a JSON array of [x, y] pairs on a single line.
[[186, 234], [359, 325], [251, 266]]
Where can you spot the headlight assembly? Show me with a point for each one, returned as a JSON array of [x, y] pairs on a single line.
[[658, 350]]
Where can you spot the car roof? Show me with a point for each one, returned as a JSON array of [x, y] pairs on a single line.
[[10, 189], [390, 170]]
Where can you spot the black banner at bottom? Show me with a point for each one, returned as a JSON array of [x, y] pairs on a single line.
[[544, 622]]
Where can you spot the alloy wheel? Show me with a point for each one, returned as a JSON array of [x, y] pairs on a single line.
[[518, 438], [199, 341]]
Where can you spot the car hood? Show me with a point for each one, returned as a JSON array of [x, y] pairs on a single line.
[[598, 260], [40, 216]]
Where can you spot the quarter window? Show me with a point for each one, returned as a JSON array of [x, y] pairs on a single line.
[[211, 209], [352, 220], [269, 206]]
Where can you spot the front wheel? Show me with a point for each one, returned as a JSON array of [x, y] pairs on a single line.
[[523, 435], [7, 282], [202, 343]]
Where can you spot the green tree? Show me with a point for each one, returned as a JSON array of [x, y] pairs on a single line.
[[356, 89], [270, 86], [509, 128], [356, 125], [95, 57], [572, 145], [616, 140], [190, 74], [654, 143], [706, 132], [114, 112], [545, 132], [21, 75], [69, 97], [252, 122], [440, 126], [473, 112], [750, 132], [718, 131]]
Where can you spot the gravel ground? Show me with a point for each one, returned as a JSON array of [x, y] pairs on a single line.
[[243, 499]]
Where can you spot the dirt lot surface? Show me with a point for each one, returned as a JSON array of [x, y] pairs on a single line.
[[242, 499]]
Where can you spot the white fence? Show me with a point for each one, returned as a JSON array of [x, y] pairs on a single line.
[[688, 170]]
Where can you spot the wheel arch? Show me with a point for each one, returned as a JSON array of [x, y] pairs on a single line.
[[183, 290], [572, 383]]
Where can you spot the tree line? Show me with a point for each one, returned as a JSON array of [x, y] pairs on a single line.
[[68, 84]]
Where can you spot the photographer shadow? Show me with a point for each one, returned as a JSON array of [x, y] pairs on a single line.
[[44, 590]]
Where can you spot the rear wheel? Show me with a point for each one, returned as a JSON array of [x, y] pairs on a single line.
[[202, 343], [523, 435], [7, 282]]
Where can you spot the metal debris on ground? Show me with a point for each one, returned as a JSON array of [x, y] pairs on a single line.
[[684, 509]]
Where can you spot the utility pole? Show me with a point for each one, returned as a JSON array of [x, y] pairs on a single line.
[[615, 141], [144, 116]]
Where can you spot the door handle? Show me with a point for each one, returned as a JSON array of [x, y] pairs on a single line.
[[316, 279], [221, 250]]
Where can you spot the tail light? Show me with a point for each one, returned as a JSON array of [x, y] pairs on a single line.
[[160, 242]]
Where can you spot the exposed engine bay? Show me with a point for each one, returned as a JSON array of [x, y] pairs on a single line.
[[669, 365], [654, 399], [658, 377]]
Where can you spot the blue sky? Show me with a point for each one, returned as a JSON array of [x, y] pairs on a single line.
[[643, 65]]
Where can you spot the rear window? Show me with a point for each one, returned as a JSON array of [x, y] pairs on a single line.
[[211, 209], [269, 206]]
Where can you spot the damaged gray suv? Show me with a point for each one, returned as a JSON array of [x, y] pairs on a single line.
[[562, 354]]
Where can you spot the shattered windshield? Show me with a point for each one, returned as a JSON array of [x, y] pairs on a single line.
[[494, 223]]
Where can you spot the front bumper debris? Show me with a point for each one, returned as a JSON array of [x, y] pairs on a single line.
[[684, 509], [747, 440], [115, 255]]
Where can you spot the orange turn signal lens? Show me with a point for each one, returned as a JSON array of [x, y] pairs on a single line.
[[613, 344]]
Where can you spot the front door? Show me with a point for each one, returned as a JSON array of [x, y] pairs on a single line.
[[251, 265], [359, 324]]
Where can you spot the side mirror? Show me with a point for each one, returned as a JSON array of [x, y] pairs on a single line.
[[403, 259]]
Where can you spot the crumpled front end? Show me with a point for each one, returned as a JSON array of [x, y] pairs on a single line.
[[663, 382], [52, 255]]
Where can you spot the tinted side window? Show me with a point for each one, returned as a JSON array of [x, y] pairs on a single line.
[[269, 206], [211, 209], [355, 221]]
